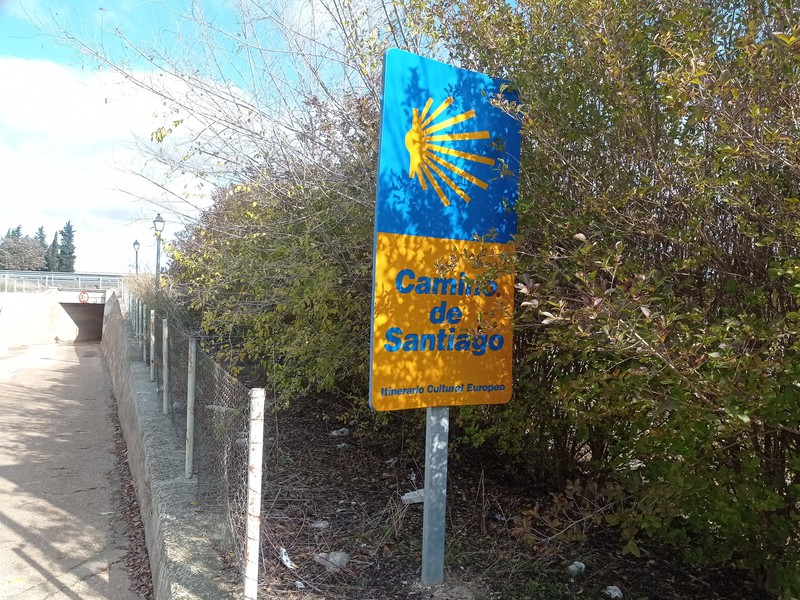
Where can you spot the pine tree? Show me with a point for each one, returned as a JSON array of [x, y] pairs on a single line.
[[51, 257], [41, 237], [66, 252]]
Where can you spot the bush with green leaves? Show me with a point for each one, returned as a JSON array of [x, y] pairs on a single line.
[[283, 287], [657, 323], [656, 340]]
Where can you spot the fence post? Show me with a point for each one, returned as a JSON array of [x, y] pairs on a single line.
[[165, 364], [144, 333], [190, 384], [254, 466], [152, 345]]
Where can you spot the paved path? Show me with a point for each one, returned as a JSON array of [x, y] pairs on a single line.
[[60, 533]]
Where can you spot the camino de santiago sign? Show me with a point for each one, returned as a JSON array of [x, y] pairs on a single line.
[[447, 185]]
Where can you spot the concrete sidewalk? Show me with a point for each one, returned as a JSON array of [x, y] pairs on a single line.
[[60, 532]]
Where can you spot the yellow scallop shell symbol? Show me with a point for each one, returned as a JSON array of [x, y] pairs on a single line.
[[427, 157]]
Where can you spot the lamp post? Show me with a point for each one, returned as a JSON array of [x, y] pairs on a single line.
[[158, 226], [136, 246]]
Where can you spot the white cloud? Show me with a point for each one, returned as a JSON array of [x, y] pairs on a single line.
[[67, 133], [66, 153]]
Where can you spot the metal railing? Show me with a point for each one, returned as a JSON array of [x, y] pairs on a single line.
[[36, 281]]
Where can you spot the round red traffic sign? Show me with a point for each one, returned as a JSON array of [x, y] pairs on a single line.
[[83, 297]]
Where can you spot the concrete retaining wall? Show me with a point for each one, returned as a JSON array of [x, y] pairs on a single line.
[[184, 543], [31, 319]]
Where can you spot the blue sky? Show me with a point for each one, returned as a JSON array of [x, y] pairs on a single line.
[[72, 130], [67, 128], [20, 38]]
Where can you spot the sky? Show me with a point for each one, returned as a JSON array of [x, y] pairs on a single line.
[[68, 131]]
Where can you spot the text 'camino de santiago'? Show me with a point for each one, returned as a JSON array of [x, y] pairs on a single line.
[[447, 338]]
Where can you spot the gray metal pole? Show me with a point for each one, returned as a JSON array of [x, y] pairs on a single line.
[[165, 365], [158, 262], [190, 384], [434, 512], [152, 345]]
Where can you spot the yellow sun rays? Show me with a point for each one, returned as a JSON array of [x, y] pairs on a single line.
[[427, 162]]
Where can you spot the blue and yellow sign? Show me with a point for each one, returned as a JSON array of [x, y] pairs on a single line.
[[444, 222]]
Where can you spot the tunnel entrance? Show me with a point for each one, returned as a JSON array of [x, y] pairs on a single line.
[[88, 318]]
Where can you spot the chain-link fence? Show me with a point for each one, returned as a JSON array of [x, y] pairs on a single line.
[[178, 358], [220, 415], [221, 438]]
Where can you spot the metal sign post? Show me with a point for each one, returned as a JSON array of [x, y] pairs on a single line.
[[443, 291], [434, 512]]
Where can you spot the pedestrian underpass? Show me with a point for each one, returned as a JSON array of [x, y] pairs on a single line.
[[85, 308], [61, 316]]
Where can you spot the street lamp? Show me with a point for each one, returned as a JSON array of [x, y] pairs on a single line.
[[136, 247], [158, 226]]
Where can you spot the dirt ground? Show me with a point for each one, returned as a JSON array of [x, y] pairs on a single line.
[[342, 493]]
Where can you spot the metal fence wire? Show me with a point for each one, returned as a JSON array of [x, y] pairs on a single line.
[[158, 354], [178, 353], [221, 424], [221, 441]]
